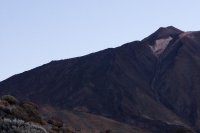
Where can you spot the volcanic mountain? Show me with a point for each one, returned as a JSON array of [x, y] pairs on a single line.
[[153, 84]]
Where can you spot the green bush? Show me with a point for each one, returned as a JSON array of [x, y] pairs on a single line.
[[19, 113], [32, 111], [10, 99], [55, 122]]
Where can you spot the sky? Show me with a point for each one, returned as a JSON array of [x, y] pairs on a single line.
[[35, 32]]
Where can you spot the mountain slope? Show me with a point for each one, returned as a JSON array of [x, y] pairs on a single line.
[[153, 83], [27, 117], [86, 122]]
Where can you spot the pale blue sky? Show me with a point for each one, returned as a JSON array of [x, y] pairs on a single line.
[[34, 32]]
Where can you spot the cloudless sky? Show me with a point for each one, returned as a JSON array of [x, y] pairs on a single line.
[[34, 32]]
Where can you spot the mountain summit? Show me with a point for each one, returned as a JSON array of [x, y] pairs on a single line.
[[159, 40], [152, 84], [163, 32]]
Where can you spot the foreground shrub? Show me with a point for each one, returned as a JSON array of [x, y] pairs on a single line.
[[19, 113], [32, 112], [55, 122], [19, 126], [10, 99]]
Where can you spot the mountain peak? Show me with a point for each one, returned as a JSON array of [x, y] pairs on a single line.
[[169, 30], [160, 39], [163, 32]]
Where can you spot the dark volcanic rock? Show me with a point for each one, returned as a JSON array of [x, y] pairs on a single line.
[[153, 83]]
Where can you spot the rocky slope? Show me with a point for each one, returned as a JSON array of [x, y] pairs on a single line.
[[27, 117], [152, 84]]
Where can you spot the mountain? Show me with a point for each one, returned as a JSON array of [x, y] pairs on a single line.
[[152, 84]]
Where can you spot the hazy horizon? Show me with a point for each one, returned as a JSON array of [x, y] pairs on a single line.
[[36, 32]]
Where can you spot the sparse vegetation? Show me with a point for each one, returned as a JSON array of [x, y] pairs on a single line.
[[19, 117], [55, 122], [19, 126], [24, 117], [10, 99], [32, 112]]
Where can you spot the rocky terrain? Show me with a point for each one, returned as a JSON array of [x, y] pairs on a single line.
[[27, 117], [152, 84], [17, 117]]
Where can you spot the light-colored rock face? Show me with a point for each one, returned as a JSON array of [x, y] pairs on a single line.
[[187, 34], [160, 45]]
